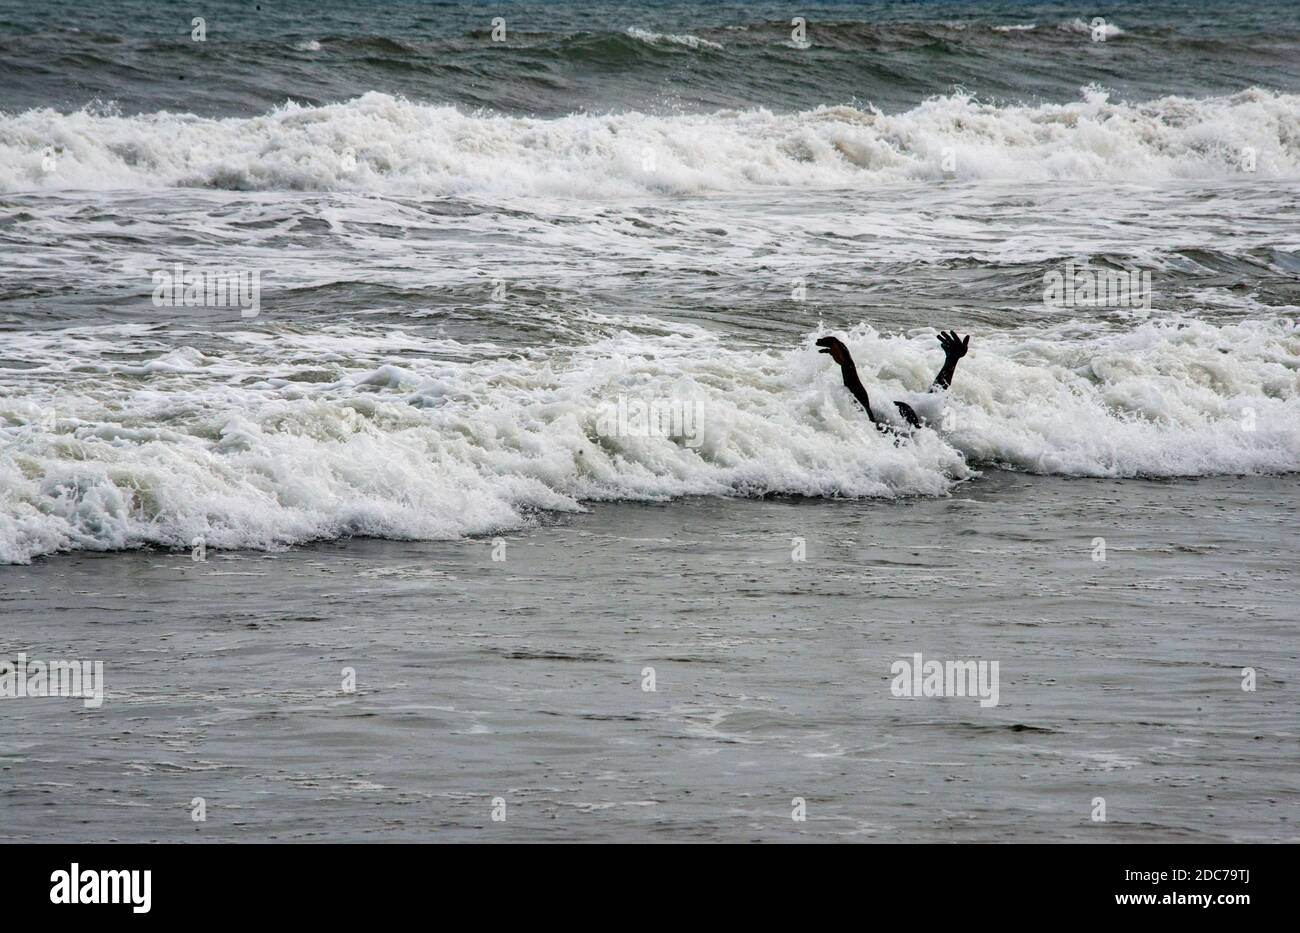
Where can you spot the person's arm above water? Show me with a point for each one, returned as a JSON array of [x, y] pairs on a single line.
[[954, 348], [840, 354]]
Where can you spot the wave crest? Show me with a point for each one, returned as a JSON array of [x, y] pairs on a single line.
[[435, 449], [381, 144]]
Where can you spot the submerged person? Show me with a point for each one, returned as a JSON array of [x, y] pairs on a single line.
[[954, 348]]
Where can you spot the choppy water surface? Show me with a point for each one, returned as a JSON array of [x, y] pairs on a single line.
[[468, 252]]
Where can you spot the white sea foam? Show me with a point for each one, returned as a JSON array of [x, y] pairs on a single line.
[[1109, 30], [234, 449], [377, 143], [658, 38]]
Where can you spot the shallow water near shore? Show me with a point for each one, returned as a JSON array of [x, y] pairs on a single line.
[[522, 679]]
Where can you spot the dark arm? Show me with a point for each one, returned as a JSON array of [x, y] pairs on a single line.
[[840, 354], [954, 348]]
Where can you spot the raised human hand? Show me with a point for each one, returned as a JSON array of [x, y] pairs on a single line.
[[954, 347], [839, 353]]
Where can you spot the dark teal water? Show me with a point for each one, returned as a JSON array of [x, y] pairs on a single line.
[[565, 57]]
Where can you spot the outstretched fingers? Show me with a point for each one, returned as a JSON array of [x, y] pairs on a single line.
[[953, 345]]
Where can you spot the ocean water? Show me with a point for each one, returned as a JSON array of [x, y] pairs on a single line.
[[469, 255]]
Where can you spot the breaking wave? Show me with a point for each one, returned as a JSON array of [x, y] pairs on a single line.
[[382, 144], [282, 442]]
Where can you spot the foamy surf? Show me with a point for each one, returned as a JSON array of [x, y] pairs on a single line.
[[657, 38], [256, 450], [381, 144], [1098, 30]]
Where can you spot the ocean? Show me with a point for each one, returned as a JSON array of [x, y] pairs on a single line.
[[334, 337]]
